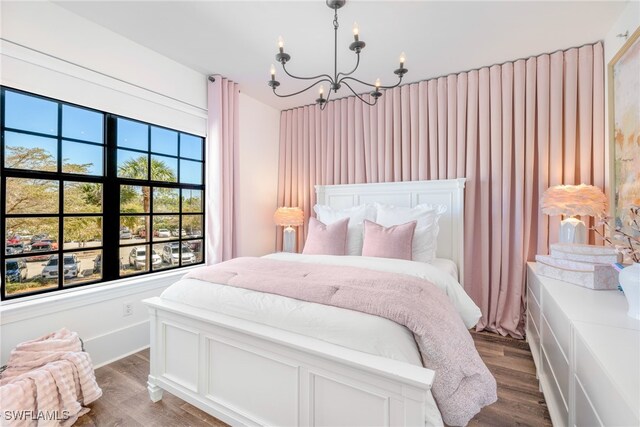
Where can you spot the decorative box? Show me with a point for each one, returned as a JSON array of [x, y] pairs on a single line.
[[588, 275], [585, 253]]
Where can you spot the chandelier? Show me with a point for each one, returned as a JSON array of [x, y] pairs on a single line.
[[338, 79]]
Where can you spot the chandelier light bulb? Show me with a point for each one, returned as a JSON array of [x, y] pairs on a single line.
[[281, 44], [403, 58], [273, 72], [356, 31], [377, 84], [321, 90]]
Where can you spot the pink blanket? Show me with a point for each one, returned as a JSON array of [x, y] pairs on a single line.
[[47, 381], [462, 385]]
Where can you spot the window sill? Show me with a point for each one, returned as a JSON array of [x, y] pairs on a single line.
[[39, 305]]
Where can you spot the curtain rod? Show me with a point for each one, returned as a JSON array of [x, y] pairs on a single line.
[[469, 70]]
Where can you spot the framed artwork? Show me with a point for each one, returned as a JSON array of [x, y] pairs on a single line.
[[624, 126]]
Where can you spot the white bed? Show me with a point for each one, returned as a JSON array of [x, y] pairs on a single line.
[[251, 358]]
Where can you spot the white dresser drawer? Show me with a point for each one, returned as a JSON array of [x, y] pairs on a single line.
[[557, 320], [534, 308], [557, 407], [533, 338], [558, 361], [586, 415], [533, 283], [602, 393]]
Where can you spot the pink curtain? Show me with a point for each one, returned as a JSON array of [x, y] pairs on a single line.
[[222, 158], [512, 130]]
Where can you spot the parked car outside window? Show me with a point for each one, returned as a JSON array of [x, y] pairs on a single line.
[[171, 254], [15, 270], [138, 258], [39, 247], [71, 267], [163, 232]]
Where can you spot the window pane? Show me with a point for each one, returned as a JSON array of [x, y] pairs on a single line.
[[158, 248], [166, 200], [190, 172], [82, 267], [164, 169], [23, 276], [81, 158], [164, 141], [195, 246], [191, 200], [39, 234], [82, 197], [80, 123], [134, 229], [192, 225], [32, 196], [190, 146], [165, 227], [135, 259], [133, 134], [30, 113], [134, 199], [132, 165], [82, 232], [30, 152]]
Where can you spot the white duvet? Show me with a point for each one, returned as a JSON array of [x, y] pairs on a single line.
[[358, 331]]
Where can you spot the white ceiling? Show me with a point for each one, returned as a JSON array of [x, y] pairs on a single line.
[[238, 38]]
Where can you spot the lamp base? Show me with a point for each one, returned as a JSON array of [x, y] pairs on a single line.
[[572, 230], [289, 239]]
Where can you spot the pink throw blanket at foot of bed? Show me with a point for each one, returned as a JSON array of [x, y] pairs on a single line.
[[462, 385], [47, 381]]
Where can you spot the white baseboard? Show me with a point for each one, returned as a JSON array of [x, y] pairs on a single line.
[[117, 344]]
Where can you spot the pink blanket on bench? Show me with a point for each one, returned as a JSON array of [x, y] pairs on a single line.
[[462, 385]]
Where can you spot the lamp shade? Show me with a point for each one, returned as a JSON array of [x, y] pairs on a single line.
[[288, 217], [574, 200]]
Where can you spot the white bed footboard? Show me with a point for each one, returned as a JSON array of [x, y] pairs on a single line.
[[245, 373]]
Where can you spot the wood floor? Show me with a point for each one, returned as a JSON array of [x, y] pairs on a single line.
[[125, 401]]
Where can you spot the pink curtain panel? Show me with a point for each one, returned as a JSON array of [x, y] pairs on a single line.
[[512, 130], [221, 150]]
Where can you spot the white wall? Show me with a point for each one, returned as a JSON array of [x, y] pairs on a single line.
[[258, 177], [53, 52], [47, 50], [629, 20]]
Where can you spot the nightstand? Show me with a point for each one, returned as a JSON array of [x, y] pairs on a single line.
[[586, 351]]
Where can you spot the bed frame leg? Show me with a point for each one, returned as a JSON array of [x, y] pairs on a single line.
[[155, 392]]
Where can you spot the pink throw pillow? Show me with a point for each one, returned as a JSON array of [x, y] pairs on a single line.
[[325, 239], [388, 242]]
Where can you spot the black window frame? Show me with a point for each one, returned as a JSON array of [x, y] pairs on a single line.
[[111, 183]]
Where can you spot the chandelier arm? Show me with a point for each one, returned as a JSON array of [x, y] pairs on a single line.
[[369, 84], [359, 96], [324, 105], [307, 78], [352, 71], [303, 90]]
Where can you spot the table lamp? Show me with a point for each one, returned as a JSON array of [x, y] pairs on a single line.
[[571, 200], [289, 218]]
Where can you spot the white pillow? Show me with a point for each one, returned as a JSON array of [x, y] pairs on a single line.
[[425, 237], [356, 215]]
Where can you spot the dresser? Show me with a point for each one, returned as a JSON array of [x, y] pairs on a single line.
[[586, 351]]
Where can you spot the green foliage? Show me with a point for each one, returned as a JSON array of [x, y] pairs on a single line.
[[30, 159]]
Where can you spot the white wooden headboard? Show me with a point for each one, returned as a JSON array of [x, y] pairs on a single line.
[[449, 192]]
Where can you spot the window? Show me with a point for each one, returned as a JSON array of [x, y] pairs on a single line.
[[90, 197]]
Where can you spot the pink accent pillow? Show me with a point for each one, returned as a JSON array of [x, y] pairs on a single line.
[[324, 239], [388, 242]]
